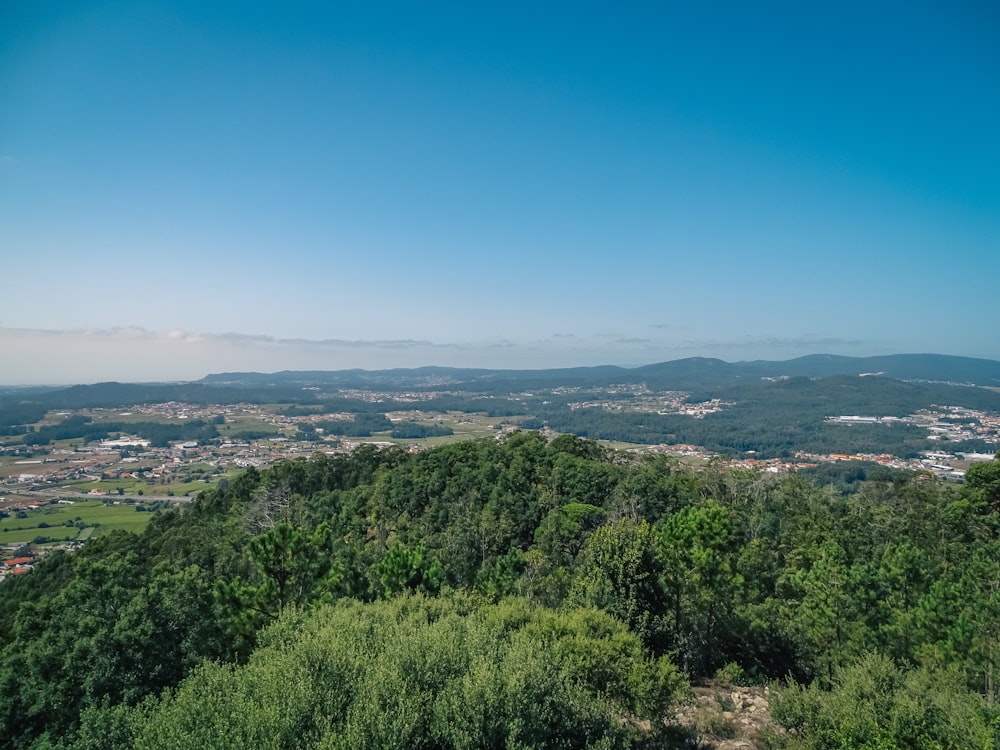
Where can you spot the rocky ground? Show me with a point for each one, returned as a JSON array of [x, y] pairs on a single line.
[[727, 717]]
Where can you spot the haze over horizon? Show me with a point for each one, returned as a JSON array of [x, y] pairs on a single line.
[[188, 188]]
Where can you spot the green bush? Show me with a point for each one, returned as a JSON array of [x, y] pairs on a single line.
[[422, 673], [876, 705], [732, 673]]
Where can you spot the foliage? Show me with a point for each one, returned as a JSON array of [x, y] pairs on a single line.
[[415, 430], [116, 631], [287, 569], [619, 574], [346, 600], [406, 569], [362, 424], [417, 673], [876, 705], [695, 550], [159, 434]]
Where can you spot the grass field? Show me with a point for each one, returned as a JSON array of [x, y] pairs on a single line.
[[131, 487], [97, 516], [466, 427], [132, 417], [247, 423]]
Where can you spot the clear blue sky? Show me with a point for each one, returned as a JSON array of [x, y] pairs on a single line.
[[190, 187]]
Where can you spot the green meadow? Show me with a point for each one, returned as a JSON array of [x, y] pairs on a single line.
[[51, 521]]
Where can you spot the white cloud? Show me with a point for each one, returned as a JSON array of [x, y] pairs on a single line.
[[43, 356], [810, 342], [138, 354]]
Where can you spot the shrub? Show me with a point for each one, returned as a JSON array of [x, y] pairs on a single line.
[[417, 672]]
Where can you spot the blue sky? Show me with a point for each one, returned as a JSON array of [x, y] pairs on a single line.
[[190, 187]]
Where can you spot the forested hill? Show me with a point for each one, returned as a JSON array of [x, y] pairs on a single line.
[[911, 367], [695, 373], [682, 374], [515, 593], [779, 418], [765, 409]]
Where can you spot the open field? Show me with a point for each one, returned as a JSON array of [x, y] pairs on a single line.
[[128, 486], [91, 513], [466, 427], [236, 425], [132, 486], [13, 465], [130, 417]]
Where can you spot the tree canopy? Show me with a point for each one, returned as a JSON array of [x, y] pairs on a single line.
[[513, 593]]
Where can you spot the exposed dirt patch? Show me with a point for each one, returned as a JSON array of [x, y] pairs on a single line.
[[727, 717]]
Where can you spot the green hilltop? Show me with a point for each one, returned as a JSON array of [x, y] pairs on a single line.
[[510, 593]]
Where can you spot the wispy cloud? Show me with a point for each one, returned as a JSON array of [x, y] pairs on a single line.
[[375, 343], [134, 333], [670, 326], [244, 338], [807, 341], [138, 354]]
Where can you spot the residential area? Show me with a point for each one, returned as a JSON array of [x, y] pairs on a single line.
[[92, 486]]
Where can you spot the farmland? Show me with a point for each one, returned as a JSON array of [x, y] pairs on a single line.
[[67, 521]]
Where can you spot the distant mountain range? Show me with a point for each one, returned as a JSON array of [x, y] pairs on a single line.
[[771, 408], [694, 373], [682, 374]]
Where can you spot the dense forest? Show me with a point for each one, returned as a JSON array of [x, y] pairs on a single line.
[[773, 409], [771, 420], [521, 593], [158, 433], [776, 419]]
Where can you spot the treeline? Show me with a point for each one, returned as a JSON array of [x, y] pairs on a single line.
[[159, 434], [735, 431], [16, 417], [778, 419], [772, 419], [846, 477], [844, 394], [415, 430], [113, 395], [360, 425], [521, 593], [325, 398]]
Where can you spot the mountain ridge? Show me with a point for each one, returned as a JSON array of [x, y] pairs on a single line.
[[929, 367], [687, 374]]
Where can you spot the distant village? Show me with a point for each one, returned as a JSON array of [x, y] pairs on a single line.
[[63, 469], [128, 469]]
